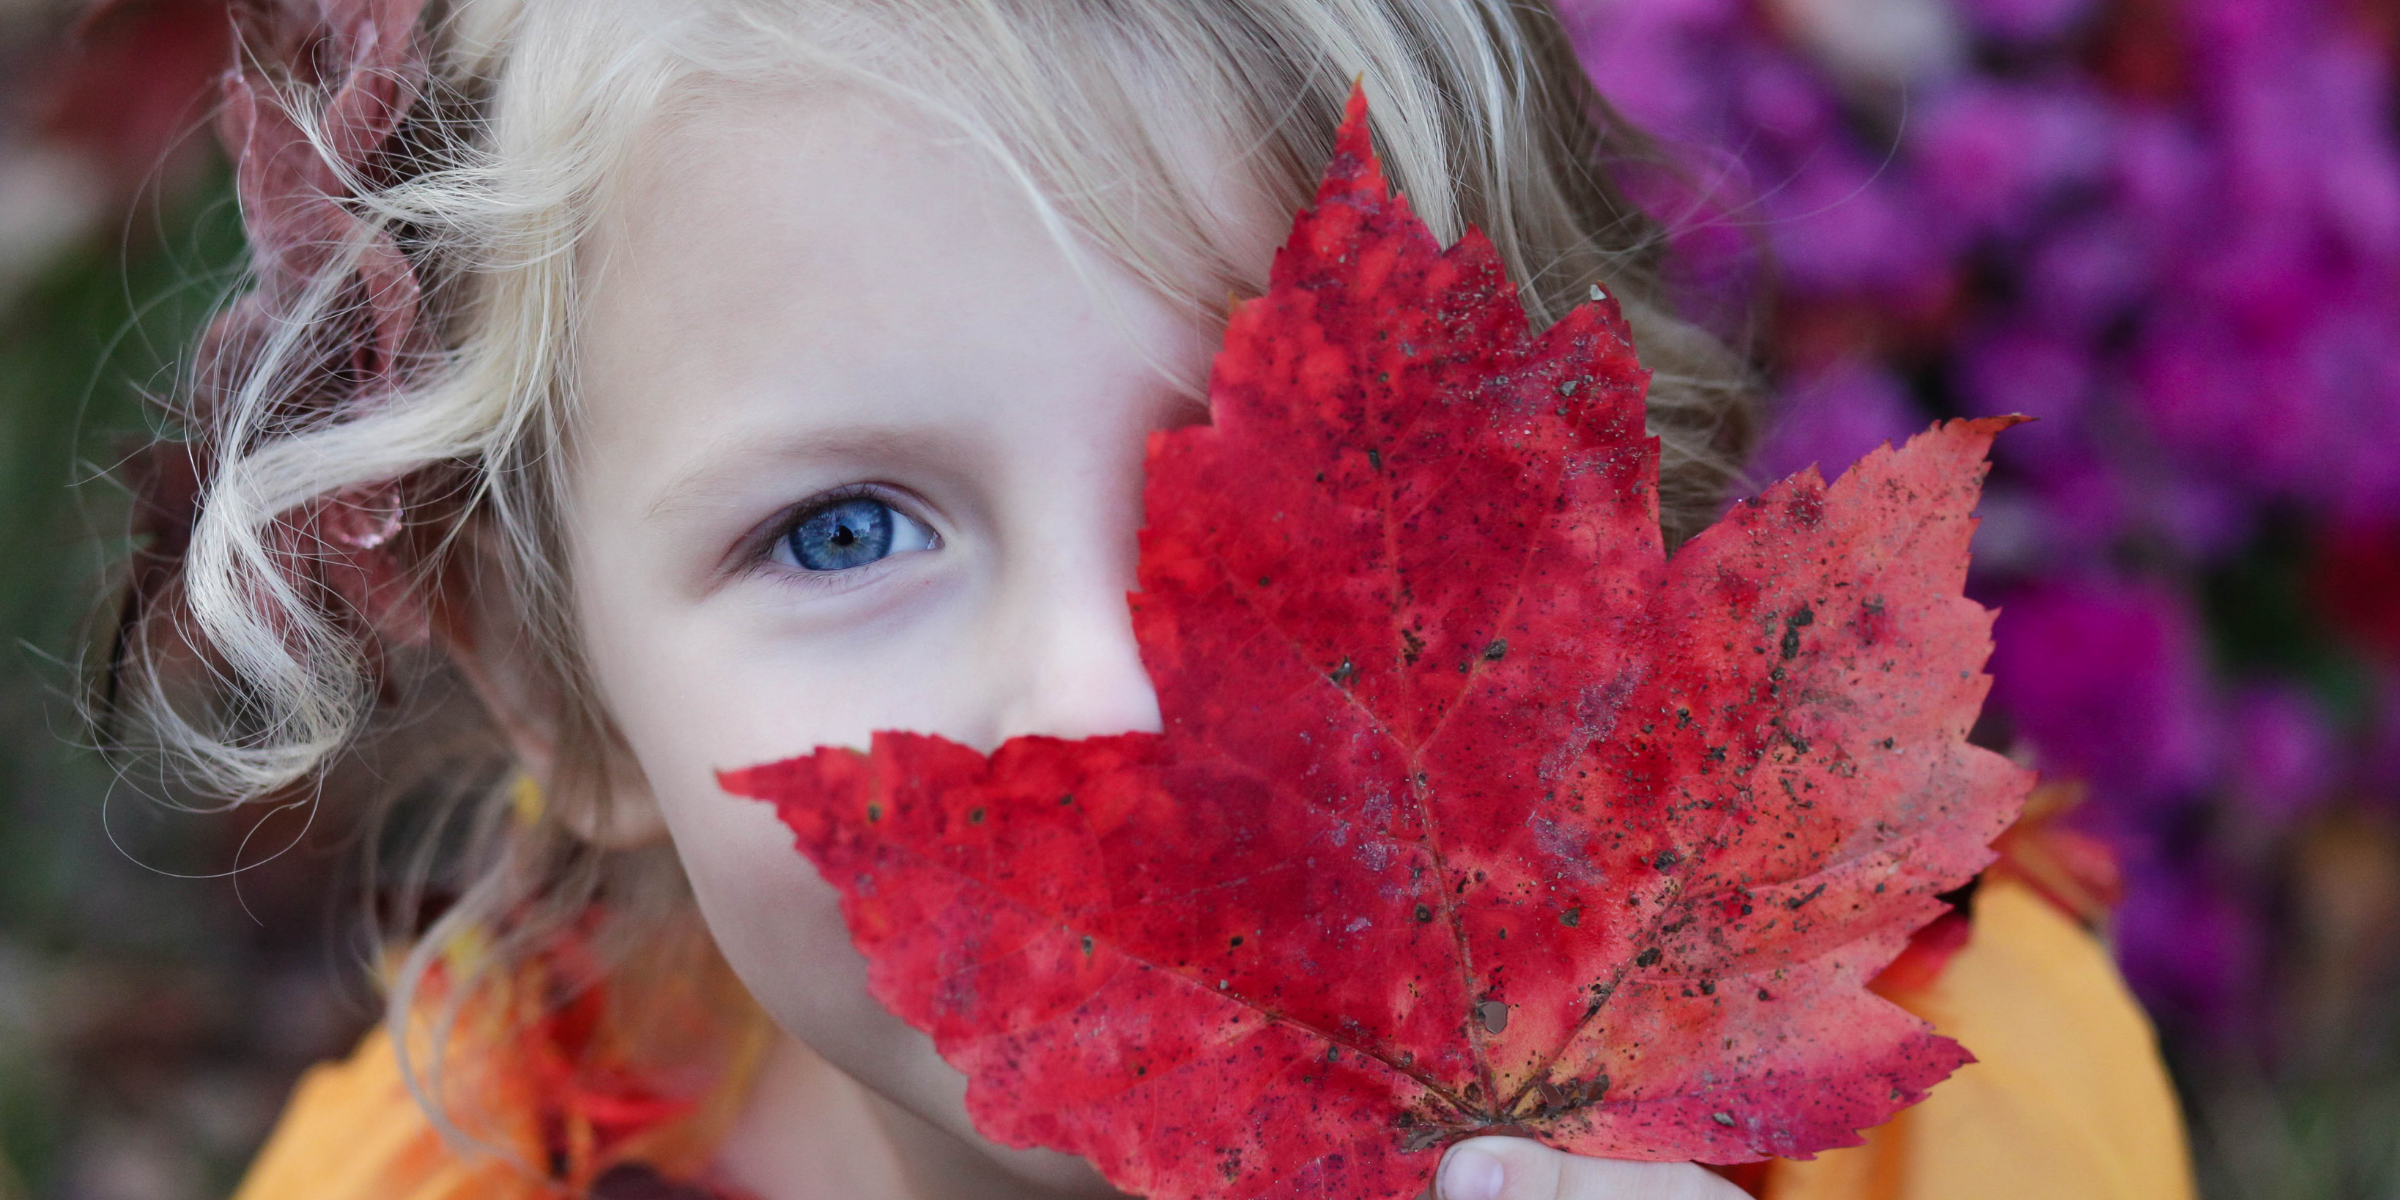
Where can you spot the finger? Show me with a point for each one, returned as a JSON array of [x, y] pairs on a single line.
[[1514, 1168]]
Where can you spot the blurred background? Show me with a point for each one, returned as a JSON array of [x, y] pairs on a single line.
[[2168, 228], [151, 1022]]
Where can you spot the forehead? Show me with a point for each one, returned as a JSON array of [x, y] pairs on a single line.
[[812, 264], [772, 216]]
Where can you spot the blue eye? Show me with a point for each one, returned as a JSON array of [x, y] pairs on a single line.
[[852, 532]]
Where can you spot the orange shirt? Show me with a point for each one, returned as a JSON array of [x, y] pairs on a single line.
[[2067, 1100]]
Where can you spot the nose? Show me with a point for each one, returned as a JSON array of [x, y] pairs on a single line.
[[1072, 668]]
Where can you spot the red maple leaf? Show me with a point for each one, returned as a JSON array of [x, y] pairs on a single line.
[[1474, 811]]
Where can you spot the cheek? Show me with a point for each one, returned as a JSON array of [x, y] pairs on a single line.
[[778, 923], [696, 688], [685, 712]]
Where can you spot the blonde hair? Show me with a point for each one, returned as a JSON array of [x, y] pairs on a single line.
[[1481, 114]]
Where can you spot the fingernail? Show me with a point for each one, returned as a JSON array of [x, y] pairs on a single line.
[[1471, 1174]]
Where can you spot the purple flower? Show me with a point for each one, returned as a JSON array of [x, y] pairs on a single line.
[[1831, 418], [2283, 756], [1994, 157], [2084, 274], [2302, 105], [2191, 951], [2216, 400], [2024, 20], [2104, 678], [1841, 226], [2199, 516], [2306, 410], [1781, 98], [2089, 507], [2031, 371], [1667, 65], [2162, 177]]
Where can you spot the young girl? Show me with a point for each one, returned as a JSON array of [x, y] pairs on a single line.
[[636, 388]]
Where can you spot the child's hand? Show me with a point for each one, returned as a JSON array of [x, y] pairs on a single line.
[[1515, 1168]]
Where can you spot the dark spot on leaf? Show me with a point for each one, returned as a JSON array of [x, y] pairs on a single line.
[[1813, 893], [874, 812], [1683, 718], [1424, 915], [1493, 1014], [1343, 674], [1708, 987], [1375, 459], [1666, 859], [1572, 917], [1647, 958], [1237, 939], [1087, 945], [974, 816], [1414, 646], [1496, 650]]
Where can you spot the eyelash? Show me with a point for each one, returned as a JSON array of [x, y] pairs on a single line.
[[759, 554]]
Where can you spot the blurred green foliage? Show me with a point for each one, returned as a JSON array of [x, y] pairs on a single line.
[[122, 980]]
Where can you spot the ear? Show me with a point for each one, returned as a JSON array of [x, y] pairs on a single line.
[[590, 782]]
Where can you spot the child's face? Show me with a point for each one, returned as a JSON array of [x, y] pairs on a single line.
[[858, 450]]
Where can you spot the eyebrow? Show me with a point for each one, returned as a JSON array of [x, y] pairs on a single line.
[[720, 472]]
